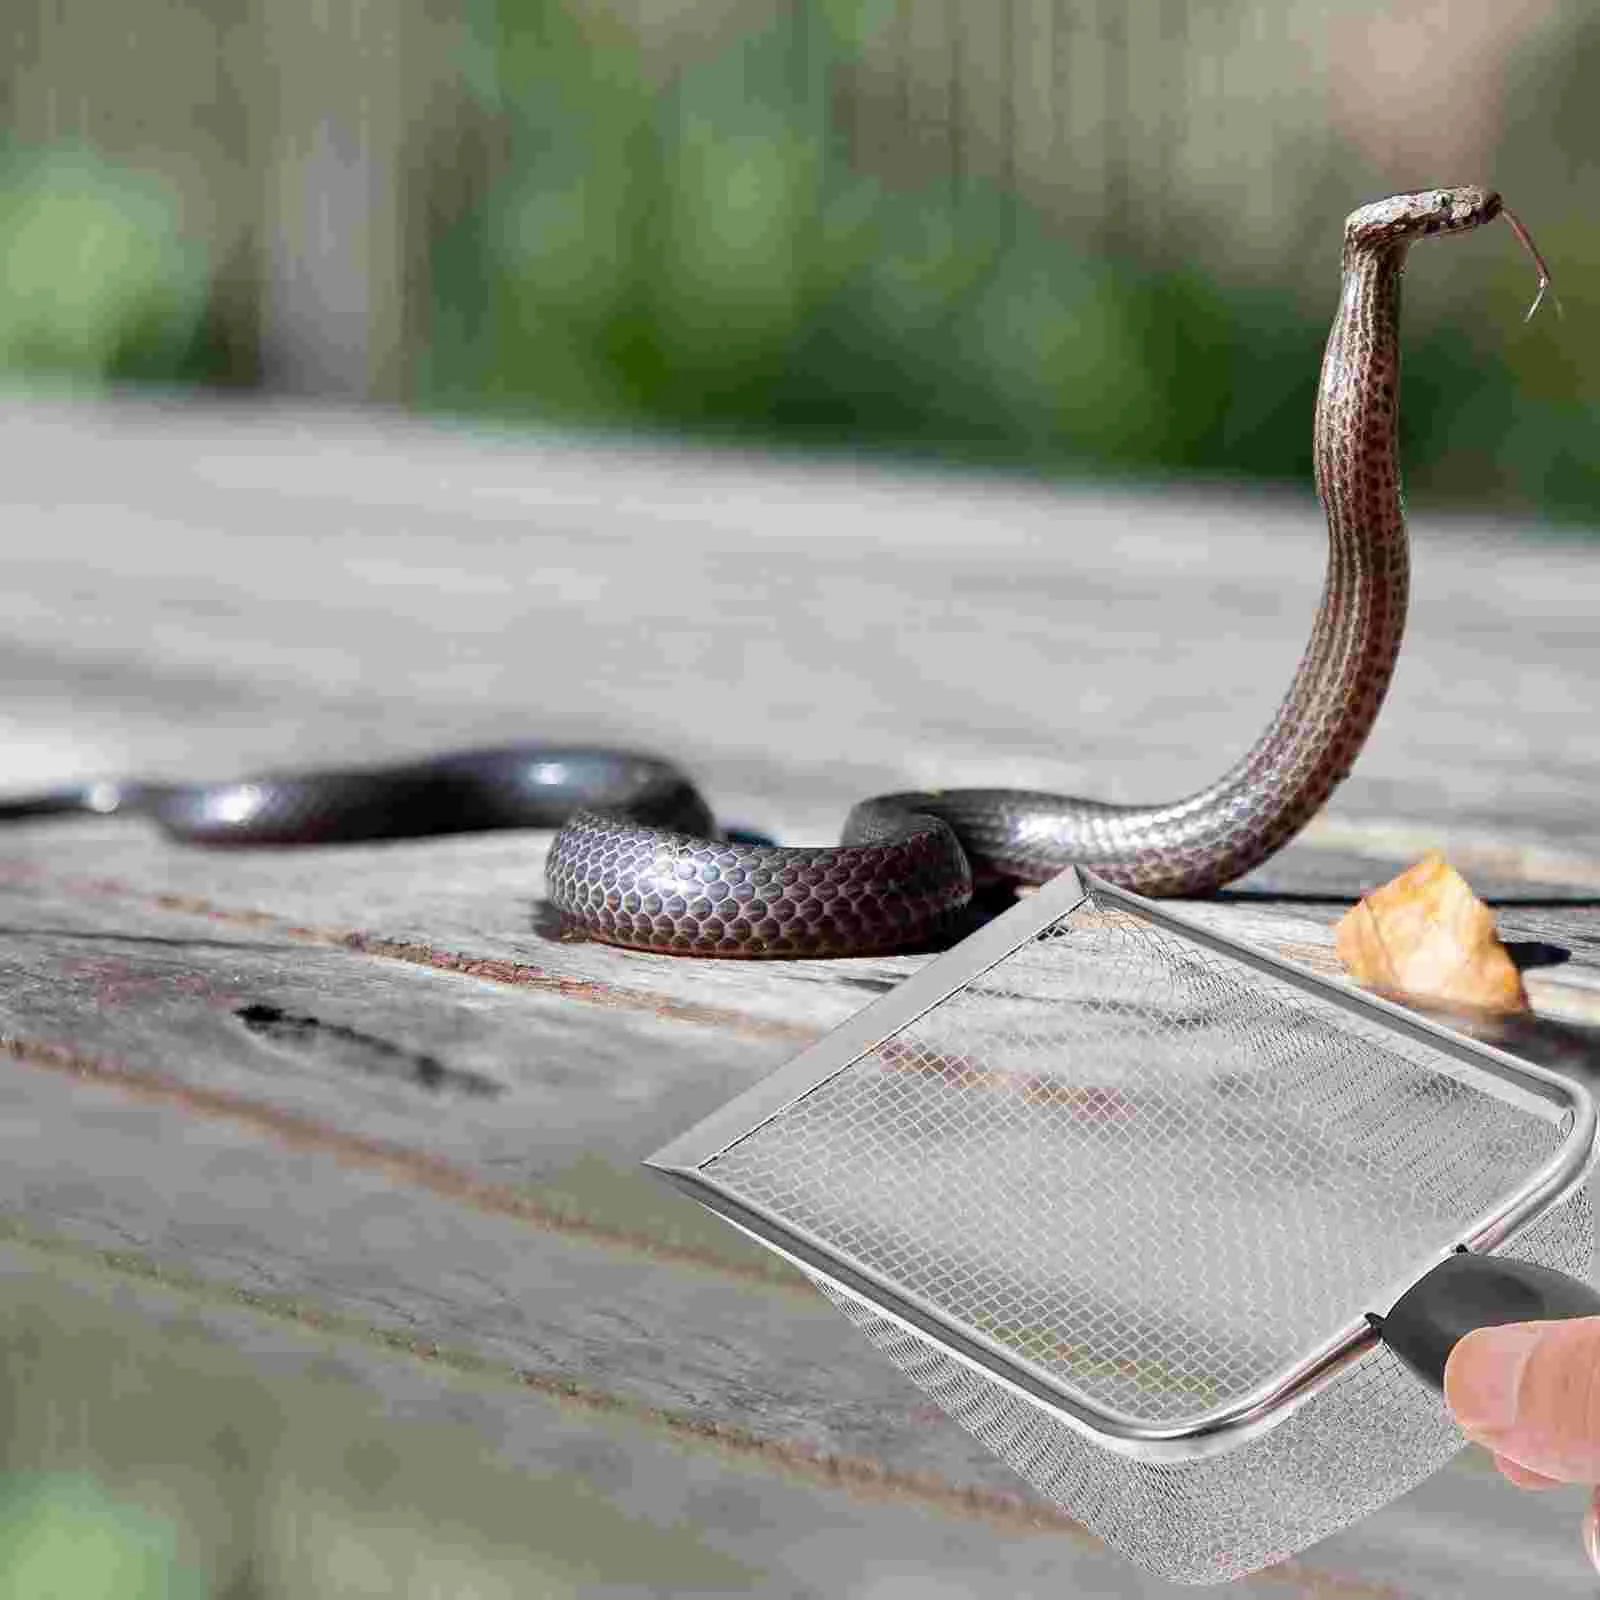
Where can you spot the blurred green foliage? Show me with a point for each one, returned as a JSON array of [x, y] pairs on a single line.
[[690, 246], [62, 1537], [162, 1440], [704, 257], [100, 285]]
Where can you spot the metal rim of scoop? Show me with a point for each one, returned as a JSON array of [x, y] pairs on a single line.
[[681, 1161]]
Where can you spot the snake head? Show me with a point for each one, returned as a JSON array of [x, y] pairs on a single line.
[[1405, 217]]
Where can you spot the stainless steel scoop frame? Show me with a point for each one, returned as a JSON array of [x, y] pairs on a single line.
[[683, 1161]]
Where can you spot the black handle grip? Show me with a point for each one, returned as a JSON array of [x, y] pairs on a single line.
[[1469, 1291]]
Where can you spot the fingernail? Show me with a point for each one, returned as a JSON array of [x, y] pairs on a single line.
[[1488, 1375], [1591, 1534]]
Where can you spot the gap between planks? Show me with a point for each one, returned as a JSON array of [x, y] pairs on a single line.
[[490, 969]]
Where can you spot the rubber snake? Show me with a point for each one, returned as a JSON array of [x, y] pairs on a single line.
[[638, 862]]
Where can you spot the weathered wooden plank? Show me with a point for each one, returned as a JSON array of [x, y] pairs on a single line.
[[985, 107], [545, 1103], [799, 633], [478, 904], [311, 1440], [377, 1084], [217, 1201], [296, 1458], [169, 1015], [213, 1217]]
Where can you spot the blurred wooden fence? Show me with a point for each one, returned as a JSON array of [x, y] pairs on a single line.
[[317, 145]]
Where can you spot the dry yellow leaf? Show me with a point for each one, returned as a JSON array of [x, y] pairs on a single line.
[[1426, 933]]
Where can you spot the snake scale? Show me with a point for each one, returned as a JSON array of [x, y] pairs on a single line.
[[637, 861]]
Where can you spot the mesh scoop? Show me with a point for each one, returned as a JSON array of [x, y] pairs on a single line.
[[1128, 1198]]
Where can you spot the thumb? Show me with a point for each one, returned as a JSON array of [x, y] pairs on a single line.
[[1530, 1391]]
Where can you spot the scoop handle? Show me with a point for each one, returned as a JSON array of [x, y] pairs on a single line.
[[1467, 1291]]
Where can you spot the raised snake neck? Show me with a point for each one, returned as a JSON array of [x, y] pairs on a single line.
[[621, 870], [660, 895]]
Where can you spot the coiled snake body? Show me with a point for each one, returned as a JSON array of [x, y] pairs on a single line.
[[637, 864]]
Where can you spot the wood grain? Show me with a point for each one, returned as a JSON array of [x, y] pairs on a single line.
[[374, 1095]]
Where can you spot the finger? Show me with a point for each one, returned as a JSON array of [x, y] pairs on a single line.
[[1523, 1478], [1531, 1392]]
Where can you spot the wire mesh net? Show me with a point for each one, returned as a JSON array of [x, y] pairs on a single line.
[[1159, 1178], [1371, 1435]]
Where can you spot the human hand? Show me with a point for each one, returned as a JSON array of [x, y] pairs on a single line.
[[1530, 1393]]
